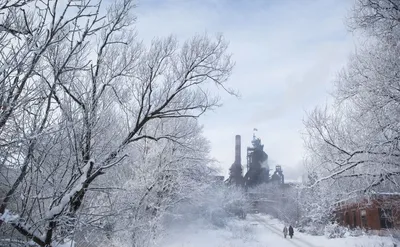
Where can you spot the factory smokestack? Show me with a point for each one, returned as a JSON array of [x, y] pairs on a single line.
[[238, 158]]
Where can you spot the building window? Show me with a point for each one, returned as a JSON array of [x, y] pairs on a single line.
[[346, 219], [338, 217], [354, 219], [363, 217], [385, 218]]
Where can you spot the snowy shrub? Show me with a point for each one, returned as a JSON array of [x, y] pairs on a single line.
[[356, 232], [335, 231], [219, 217], [236, 208], [313, 229], [218, 203], [241, 231], [395, 234]]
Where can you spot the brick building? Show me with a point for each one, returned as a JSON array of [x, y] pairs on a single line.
[[377, 212]]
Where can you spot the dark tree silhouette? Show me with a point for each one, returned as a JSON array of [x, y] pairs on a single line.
[[236, 175]]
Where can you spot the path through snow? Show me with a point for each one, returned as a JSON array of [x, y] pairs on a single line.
[[295, 241], [256, 231]]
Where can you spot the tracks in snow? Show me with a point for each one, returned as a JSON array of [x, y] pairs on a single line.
[[298, 242]]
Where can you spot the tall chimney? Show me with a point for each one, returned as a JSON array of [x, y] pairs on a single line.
[[238, 159]]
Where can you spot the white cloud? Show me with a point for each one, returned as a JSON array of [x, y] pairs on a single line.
[[287, 53]]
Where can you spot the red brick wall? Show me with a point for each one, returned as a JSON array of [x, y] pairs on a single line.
[[372, 213]]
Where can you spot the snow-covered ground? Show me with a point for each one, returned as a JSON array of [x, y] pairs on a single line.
[[258, 231]]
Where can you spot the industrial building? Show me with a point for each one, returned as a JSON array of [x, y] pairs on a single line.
[[257, 168], [376, 213]]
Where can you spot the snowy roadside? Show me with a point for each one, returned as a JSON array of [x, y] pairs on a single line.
[[257, 231], [349, 241], [237, 233]]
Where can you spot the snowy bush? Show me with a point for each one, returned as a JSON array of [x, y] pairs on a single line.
[[313, 229], [335, 231], [219, 217], [236, 208], [220, 202], [241, 231], [356, 232]]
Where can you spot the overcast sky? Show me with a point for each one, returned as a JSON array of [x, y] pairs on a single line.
[[287, 53]]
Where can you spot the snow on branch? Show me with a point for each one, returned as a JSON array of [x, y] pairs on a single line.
[[66, 199], [18, 223], [9, 217]]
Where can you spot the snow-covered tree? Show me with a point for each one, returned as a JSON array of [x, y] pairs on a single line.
[[356, 140], [79, 93], [378, 18], [353, 145], [146, 188]]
